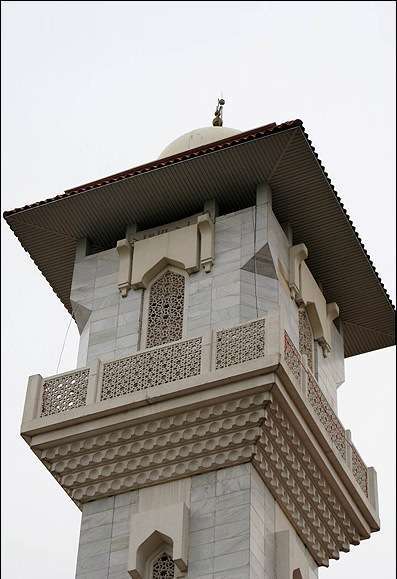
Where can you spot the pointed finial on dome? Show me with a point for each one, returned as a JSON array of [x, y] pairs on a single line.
[[218, 119]]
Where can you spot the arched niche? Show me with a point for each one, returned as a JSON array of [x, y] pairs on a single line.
[[152, 533], [155, 557]]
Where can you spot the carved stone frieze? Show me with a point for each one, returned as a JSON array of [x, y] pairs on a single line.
[[159, 450], [303, 493], [157, 443], [252, 427], [154, 427], [152, 460], [284, 425], [180, 469]]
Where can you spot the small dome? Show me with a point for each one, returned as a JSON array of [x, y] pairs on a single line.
[[197, 138]]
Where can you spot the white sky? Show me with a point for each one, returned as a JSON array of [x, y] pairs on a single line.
[[92, 88]]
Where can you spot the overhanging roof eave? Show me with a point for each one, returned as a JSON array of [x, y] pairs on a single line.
[[229, 171]]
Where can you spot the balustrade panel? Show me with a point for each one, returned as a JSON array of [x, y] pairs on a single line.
[[65, 392], [164, 364], [240, 344]]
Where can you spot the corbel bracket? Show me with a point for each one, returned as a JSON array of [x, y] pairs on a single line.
[[125, 250], [206, 228], [297, 254]]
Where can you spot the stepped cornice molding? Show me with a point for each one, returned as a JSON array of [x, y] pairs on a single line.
[[301, 490], [168, 440], [216, 428]]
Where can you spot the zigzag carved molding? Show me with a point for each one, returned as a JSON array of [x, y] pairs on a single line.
[[250, 428], [165, 473], [165, 457], [301, 490], [276, 419], [168, 440], [157, 426]]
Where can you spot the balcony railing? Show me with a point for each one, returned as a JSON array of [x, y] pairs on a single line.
[[186, 359], [160, 365], [153, 367], [314, 397]]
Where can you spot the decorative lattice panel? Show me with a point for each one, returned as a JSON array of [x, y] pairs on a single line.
[[240, 344], [359, 470], [326, 416], [292, 358], [163, 567], [150, 368], [305, 337], [165, 312], [64, 392]]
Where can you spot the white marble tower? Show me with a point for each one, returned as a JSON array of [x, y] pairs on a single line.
[[217, 291]]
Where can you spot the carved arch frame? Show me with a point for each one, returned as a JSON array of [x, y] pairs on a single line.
[[151, 558]]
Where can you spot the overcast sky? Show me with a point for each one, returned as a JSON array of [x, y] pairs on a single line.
[[93, 88]]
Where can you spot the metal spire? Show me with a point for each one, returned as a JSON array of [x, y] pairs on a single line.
[[218, 119]]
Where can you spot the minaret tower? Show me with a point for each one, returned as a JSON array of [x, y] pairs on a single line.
[[217, 291]]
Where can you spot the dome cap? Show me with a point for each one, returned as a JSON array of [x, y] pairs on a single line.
[[197, 138]]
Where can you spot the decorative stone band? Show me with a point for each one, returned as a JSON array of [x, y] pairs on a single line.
[[182, 469], [159, 450], [157, 444], [161, 365], [154, 467], [301, 489], [250, 428], [315, 398], [240, 344], [159, 427], [64, 392]]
